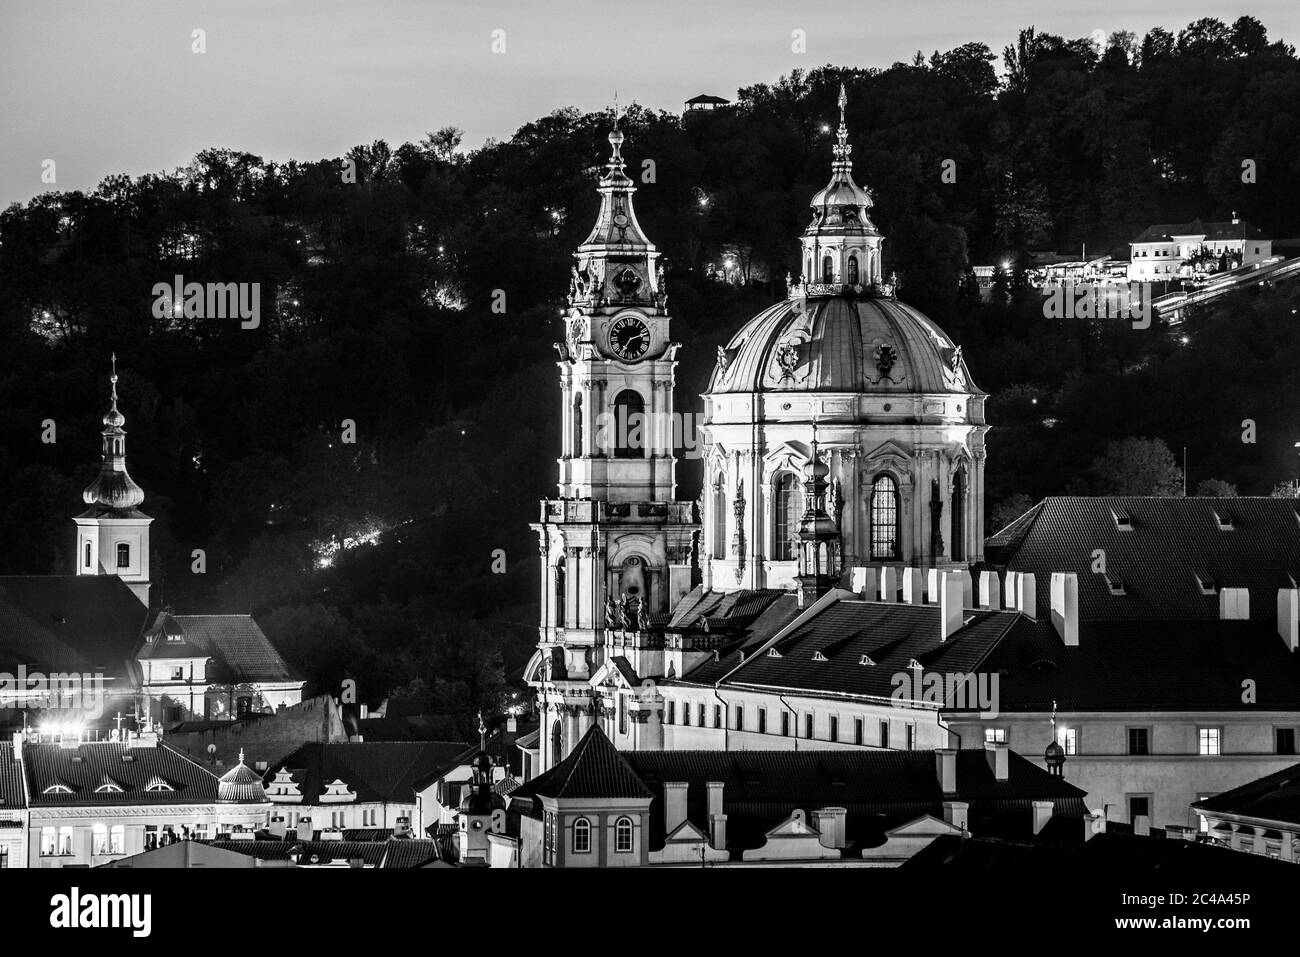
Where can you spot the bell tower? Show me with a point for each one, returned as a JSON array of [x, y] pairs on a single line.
[[112, 533], [617, 549]]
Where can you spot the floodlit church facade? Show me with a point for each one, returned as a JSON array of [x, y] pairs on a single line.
[[842, 430]]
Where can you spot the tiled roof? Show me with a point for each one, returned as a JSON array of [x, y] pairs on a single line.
[[1143, 666], [378, 771], [1174, 547], [84, 767], [69, 623], [235, 640], [783, 609], [1275, 797], [391, 852], [593, 769], [880, 789], [826, 654], [1217, 231], [11, 780], [723, 609]]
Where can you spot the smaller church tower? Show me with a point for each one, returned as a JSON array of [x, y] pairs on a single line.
[[112, 533], [819, 535]]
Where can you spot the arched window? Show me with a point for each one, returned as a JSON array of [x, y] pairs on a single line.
[[629, 421], [623, 835], [884, 518], [577, 425], [557, 742], [785, 524], [89, 560], [123, 555], [853, 271], [581, 836], [959, 516], [719, 517], [828, 269]]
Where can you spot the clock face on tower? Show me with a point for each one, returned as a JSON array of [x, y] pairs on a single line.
[[629, 338]]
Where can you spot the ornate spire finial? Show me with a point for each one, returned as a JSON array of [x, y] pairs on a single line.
[[842, 149], [616, 109], [844, 102], [482, 733], [113, 378], [241, 755]]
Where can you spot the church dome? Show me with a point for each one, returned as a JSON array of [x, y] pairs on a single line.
[[241, 785], [113, 488], [841, 343]]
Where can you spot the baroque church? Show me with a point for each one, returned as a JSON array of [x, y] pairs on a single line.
[[842, 429]]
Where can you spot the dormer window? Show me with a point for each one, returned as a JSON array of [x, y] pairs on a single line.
[[1206, 584], [1223, 520], [773, 653], [866, 661], [818, 656], [57, 789], [1123, 520], [158, 784], [1116, 585], [109, 788]]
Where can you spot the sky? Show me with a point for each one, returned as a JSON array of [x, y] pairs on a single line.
[[114, 86]]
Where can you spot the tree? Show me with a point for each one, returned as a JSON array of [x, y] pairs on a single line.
[[1287, 489], [1009, 509], [1137, 466], [1216, 488], [1248, 36]]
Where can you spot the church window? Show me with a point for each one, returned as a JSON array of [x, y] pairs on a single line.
[[557, 742], [785, 528], [719, 518], [578, 449], [629, 421], [623, 835], [89, 561], [581, 836], [853, 271], [959, 516], [884, 518], [672, 712], [123, 555], [622, 714], [828, 269]]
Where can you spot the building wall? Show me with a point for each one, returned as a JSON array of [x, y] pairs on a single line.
[[136, 821]]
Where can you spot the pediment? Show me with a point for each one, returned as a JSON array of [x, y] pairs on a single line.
[[926, 825], [686, 833]]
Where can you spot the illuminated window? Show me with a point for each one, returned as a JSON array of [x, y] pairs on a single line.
[[884, 518], [123, 555], [995, 735], [1209, 739], [1070, 740], [99, 839], [581, 836], [785, 528]]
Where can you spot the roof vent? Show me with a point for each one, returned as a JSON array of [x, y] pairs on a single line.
[[77, 759], [1123, 520], [1224, 520], [818, 656], [866, 660], [914, 665], [1116, 585], [771, 653], [128, 758]]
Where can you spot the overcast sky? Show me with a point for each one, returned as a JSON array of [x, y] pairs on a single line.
[[108, 86]]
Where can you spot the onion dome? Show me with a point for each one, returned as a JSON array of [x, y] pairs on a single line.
[[113, 488], [241, 785], [842, 202]]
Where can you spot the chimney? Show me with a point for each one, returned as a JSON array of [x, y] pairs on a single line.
[[990, 591], [996, 752], [1288, 620], [674, 805], [863, 581], [1234, 603], [717, 817], [888, 583], [1011, 591], [933, 585], [945, 761], [277, 827], [954, 812], [829, 823], [967, 588], [1065, 606], [402, 827], [1027, 595], [913, 586], [950, 605], [1094, 823], [1042, 814], [18, 735], [304, 832]]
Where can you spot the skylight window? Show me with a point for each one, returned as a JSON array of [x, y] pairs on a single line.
[[1223, 520], [1123, 520], [1206, 584], [1116, 585]]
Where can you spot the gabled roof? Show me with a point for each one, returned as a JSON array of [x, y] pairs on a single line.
[[1275, 797], [1173, 545], [1123, 666], [826, 653], [383, 771], [12, 796], [82, 623], [84, 768], [234, 640], [1214, 231], [593, 769]]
